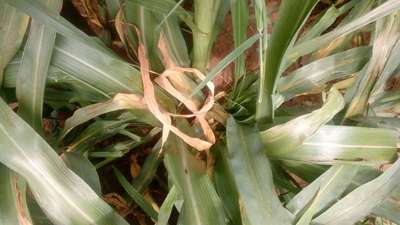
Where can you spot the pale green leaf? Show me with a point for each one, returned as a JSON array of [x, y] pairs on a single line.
[[360, 202], [201, 205], [253, 177], [284, 138], [31, 80], [65, 197], [13, 26]]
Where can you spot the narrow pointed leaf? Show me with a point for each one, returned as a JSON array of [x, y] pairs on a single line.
[[292, 15], [240, 21], [135, 195], [321, 193], [33, 69], [226, 61], [167, 206], [314, 44], [327, 19], [166, 6], [80, 165]]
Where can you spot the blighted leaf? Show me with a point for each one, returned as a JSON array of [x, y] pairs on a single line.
[[284, 138], [359, 203]]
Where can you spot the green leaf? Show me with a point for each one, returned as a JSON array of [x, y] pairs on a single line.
[[112, 7], [225, 62], [201, 205], [149, 168], [345, 144], [240, 21], [321, 193], [326, 20], [360, 202], [176, 43], [167, 206], [82, 167], [292, 15], [135, 195], [253, 177], [31, 80], [225, 184], [261, 14], [13, 26], [74, 62], [390, 207], [57, 78], [283, 139], [51, 18], [104, 71], [165, 7], [206, 19], [64, 197], [95, 133], [146, 22]]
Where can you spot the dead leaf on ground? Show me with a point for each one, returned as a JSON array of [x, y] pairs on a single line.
[[134, 166], [119, 203]]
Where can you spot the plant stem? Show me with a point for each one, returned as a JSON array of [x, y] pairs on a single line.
[[265, 111], [204, 16]]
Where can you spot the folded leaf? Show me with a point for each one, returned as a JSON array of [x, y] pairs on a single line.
[[284, 138]]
